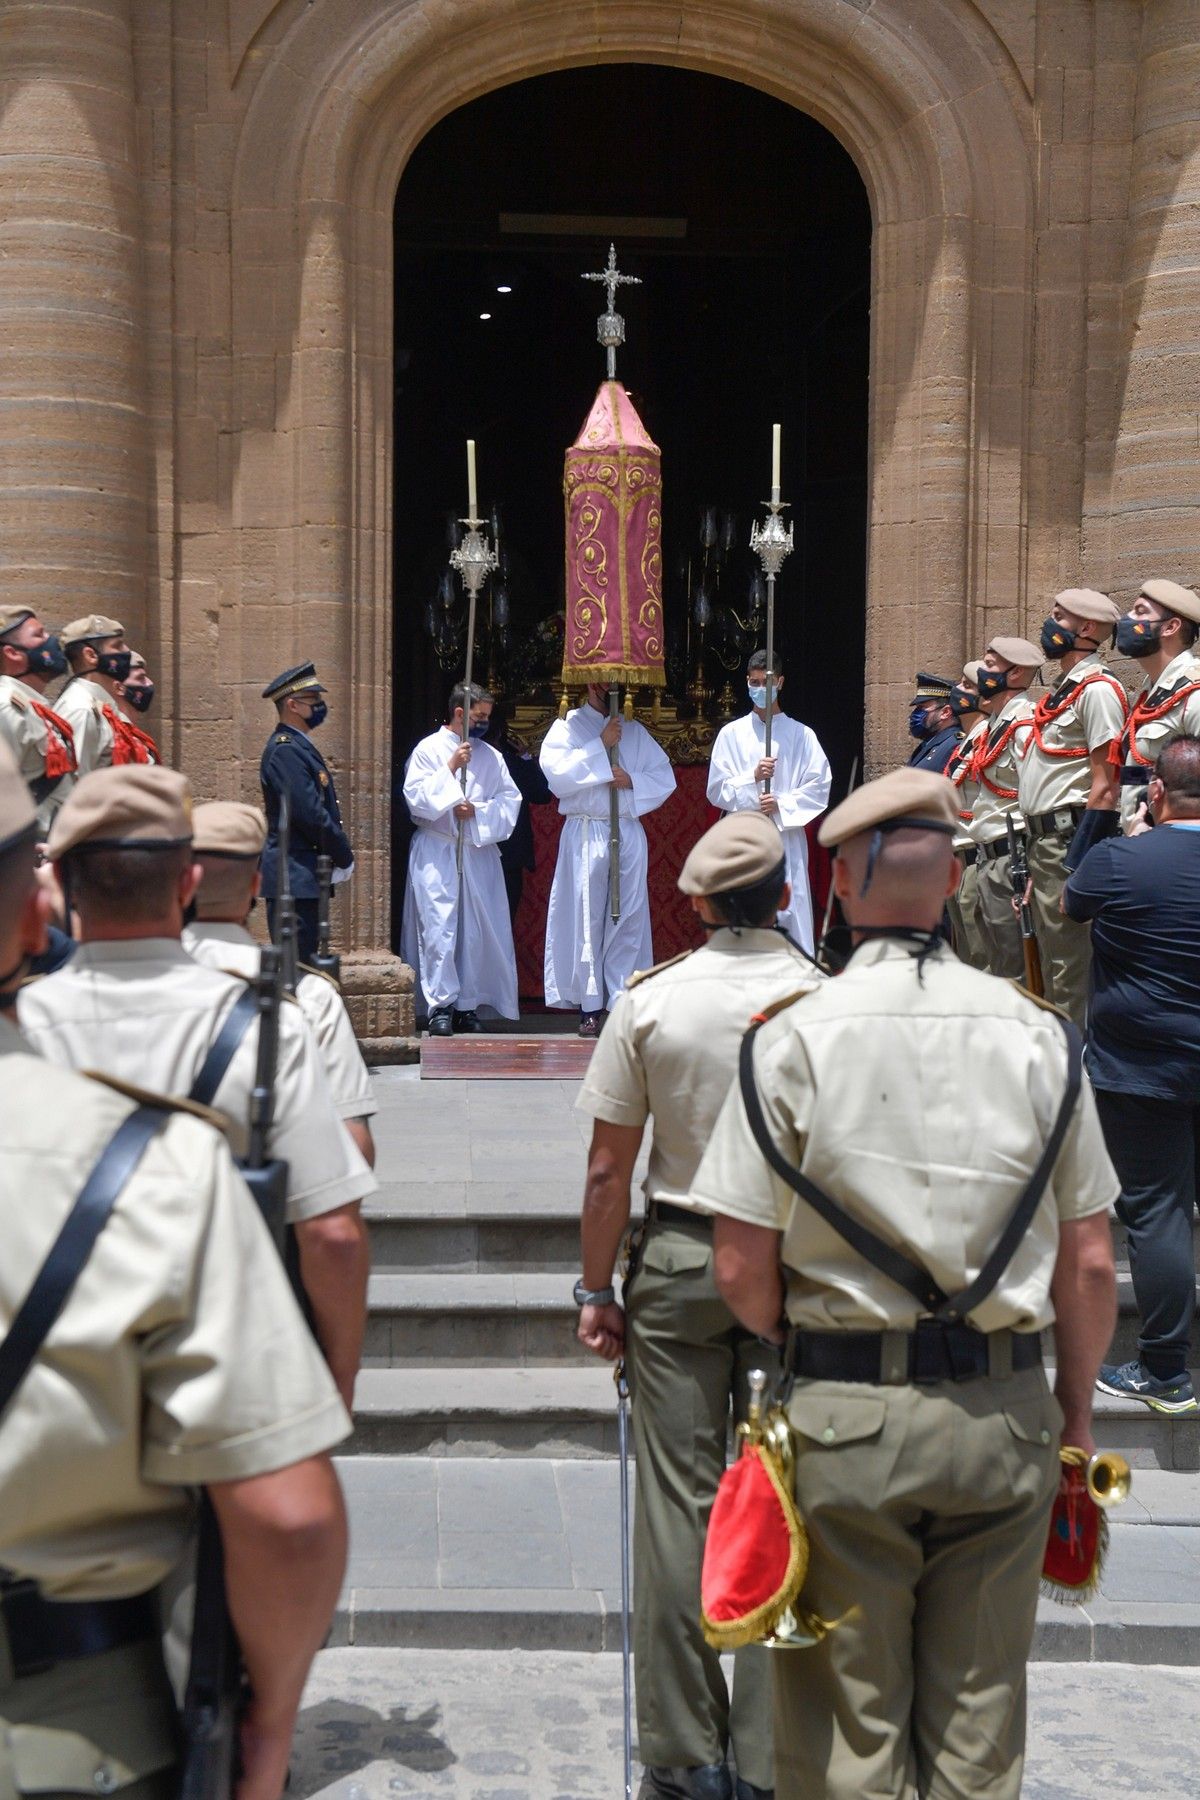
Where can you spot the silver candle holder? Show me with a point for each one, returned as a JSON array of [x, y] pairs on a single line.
[[771, 543], [474, 560]]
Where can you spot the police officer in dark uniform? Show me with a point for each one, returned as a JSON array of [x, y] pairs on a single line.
[[292, 764], [933, 723]]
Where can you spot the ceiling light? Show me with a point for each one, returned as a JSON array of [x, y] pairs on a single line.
[[505, 289], [485, 315]]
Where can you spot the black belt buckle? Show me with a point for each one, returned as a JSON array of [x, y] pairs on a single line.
[[947, 1353], [21, 1607]]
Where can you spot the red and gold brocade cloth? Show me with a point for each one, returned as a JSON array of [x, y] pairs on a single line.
[[612, 487], [670, 834]]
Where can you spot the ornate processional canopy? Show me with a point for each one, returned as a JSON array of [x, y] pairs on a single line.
[[612, 485]]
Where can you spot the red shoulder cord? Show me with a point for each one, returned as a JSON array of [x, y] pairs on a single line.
[[130, 744], [60, 743], [1126, 744], [989, 754], [1045, 713]]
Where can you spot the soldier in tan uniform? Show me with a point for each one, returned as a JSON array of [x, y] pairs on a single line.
[[1067, 783], [178, 1360], [42, 743], [1008, 669], [669, 1049], [1159, 632], [91, 700], [926, 1447], [227, 842], [133, 1002], [965, 934]]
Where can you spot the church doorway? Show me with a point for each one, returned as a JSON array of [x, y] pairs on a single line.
[[750, 229]]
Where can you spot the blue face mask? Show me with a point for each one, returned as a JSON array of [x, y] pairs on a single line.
[[921, 724], [992, 682], [317, 714], [758, 695], [478, 728], [47, 659]]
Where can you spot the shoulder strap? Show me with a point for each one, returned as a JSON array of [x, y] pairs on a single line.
[[223, 1048], [875, 1250], [73, 1245]]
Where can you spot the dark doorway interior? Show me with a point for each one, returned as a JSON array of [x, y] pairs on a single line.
[[750, 229]]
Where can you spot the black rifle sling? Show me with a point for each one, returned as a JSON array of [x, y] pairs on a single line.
[[73, 1245], [881, 1255], [223, 1048]]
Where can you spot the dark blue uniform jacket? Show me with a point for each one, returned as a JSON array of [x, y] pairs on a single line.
[[292, 764]]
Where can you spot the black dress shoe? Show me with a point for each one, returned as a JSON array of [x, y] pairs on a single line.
[[468, 1021], [441, 1022], [712, 1781], [591, 1024]]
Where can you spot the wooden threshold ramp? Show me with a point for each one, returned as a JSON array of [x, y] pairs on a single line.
[[505, 1058]]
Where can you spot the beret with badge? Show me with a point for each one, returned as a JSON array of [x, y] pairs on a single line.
[[739, 851], [89, 630], [1176, 599], [1018, 651], [229, 828], [1088, 603], [134, 807]]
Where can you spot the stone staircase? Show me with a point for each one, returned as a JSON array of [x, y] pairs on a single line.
[[482, 1471]]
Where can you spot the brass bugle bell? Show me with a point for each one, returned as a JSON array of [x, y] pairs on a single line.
[[1108, 1478]]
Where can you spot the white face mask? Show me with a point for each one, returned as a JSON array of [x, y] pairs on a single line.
[[758, 695]]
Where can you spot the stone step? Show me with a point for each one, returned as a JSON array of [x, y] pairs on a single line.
[[570, 1412], [480, 1320], [505, 1230]]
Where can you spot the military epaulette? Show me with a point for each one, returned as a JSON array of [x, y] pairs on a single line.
[[282, 737], [168, 1102], [16, 704], [640, 975], [322, 975], [1038, 999], [777, 1006]]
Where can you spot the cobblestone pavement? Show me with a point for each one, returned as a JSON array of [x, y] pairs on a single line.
[[471, 1725]]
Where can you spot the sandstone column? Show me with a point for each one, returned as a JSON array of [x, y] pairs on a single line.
[[1156, 519], [73, 457]]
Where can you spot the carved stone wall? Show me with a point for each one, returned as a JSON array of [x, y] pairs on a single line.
[[196, 295]]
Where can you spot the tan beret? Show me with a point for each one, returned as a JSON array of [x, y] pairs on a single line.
[[82, 631], [1176, 599], [970, 672], [1087, 603], [228, 828], [1018, 651], [737, 852], [905, 797], [17, 817], [11, 617], [135, 807]]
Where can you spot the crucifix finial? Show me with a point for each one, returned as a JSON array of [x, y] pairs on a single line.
[[610, 326]]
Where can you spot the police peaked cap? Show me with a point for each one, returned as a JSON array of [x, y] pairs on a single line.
[[933, 687], [300, 680]]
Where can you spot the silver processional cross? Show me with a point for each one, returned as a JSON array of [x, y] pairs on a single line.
[[610, 326]]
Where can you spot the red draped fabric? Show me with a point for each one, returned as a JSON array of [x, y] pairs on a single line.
[[670, 834]]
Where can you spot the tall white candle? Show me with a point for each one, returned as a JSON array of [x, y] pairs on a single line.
[[776, 434], [470, 478]]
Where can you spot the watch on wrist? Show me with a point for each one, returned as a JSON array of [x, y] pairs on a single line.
[[586, 1296]]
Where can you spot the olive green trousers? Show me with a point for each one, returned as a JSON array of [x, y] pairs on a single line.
[[99, 1725], [687, 1361], [927, 1510], [997, 921], [969, 945], [1066, 945]]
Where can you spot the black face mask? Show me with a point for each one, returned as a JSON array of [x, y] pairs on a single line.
[[45, 659], [140, 697], [116, 664], [1056, 640], [963, 701], [992, 682], [1138, 637]]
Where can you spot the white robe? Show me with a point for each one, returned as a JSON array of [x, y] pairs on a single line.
[[588, 958], [459, 940], [801, 786]]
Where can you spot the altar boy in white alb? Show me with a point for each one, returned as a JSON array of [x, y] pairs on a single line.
[[457, 933], [799, 773], [588, 958]]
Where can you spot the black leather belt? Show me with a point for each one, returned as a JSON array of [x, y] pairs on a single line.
[[933, 1352], [1059, 823], [43, 1632], [666, 1214], [969, 855], [997, 848]]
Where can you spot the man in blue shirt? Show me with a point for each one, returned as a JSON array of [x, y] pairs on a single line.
[[1142, 894]]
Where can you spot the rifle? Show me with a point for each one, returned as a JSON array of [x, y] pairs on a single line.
[[216, 1685], [325, 959], [285, 905], [1018, 875]]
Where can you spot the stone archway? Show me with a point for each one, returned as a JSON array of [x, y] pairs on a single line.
[[939, 122]]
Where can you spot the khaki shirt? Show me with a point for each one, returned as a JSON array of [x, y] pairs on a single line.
[[81, 704], [958, 770], [995, 797], [144, 1011], [1180, 720], [218, 944], [25, 733], [1094, 717], [872, 1084], [670, 1046], [179, 1358]]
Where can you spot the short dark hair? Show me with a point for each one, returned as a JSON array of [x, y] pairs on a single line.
[[16, 877], [753, 907], [137, 884], [759, 661], [1188, 631], [1178, 768], [461, 695]]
